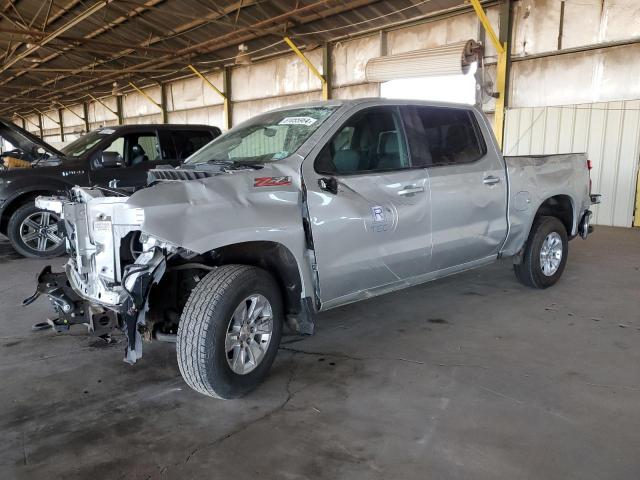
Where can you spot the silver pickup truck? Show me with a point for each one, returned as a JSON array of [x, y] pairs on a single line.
[[300, 210]]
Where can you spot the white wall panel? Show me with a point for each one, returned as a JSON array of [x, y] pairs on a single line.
[[350, 58], [213, 115], [48, 120], [433, 34], [73, 119], [31, 124], [608, 132], [99, 114], [364, 90], [279, 76], [106, 123], [593, 21], [245, 110], [586, 22], [135, 104], [587, 77], [536, 26], [154, 118], [54, 140], [194, 93]]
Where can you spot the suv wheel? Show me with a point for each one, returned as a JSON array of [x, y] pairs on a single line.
[[230, 331], [34, 232], [545, 253]]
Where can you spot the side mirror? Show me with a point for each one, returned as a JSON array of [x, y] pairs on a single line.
[[328, 184], [110, 160]]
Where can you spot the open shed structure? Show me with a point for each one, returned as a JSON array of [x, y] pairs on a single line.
[[565, 82]]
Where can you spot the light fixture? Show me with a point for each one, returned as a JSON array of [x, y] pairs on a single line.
[[242, 58], [114, 90]]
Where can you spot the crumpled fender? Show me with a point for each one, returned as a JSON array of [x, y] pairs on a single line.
[[229, 208]]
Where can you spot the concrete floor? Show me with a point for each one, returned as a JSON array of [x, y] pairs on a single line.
[[470, 377]]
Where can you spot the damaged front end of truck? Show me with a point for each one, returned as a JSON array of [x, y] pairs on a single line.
[[106, 282], [133, 261]]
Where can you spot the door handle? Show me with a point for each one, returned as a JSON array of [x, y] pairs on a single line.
[[410, 190], [491, 180]]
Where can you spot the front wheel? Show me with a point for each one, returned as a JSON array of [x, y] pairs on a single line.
[[34, 232], [230, 331], [545, 253]]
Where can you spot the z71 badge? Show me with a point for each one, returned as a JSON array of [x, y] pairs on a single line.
[[271, 181]]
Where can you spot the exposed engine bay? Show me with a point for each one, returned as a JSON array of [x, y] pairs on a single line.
[[107, 281]]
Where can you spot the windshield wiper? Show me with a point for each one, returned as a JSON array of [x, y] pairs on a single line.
[[226, 164], [254, 165], [234, 165]]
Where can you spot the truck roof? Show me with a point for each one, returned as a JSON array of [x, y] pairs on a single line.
[[159, 126], [375, 101]]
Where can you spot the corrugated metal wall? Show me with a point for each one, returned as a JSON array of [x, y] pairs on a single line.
[[608, 132]]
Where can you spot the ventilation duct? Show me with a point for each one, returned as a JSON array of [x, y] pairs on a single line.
[[452, 59]]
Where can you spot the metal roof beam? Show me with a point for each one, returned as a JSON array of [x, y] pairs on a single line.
[[310, 12]]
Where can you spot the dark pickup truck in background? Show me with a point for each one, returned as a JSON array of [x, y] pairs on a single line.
[[118, 156]]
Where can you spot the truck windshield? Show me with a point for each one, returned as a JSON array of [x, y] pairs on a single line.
[[266, 138], [82, 145]]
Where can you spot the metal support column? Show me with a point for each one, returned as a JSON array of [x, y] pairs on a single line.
[[163, 102], [327, 68], [224, 95], [85, 111], [119, 109], [501, 70], [228, 104], [61, 124]]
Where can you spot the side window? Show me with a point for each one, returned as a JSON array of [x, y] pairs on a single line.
[[370, 141], [451, 135], [116, 146], [187, 142], [143, 147]]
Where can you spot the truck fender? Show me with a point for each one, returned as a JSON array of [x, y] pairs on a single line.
[[22, 194]]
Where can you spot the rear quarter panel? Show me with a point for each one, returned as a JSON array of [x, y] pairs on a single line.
[[534, 179]]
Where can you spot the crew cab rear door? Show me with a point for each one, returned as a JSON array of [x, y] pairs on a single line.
[[468, 184], [367, 206]]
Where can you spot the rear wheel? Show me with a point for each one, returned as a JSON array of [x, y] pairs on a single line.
[[34, 232], [230, 331], [545, 254]]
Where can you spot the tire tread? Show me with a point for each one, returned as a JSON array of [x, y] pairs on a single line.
[[526, 270], [193, 352]]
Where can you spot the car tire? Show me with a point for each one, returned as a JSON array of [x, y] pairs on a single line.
[[216, 339], [545, 253], [32, 232]]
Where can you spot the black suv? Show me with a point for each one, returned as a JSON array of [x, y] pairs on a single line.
[[110, 157]]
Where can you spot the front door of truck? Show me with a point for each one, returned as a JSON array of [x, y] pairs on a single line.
[[468, 185], [368, 208], [138, 152]]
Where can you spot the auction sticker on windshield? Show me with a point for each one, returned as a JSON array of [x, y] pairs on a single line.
[[307, 121]]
